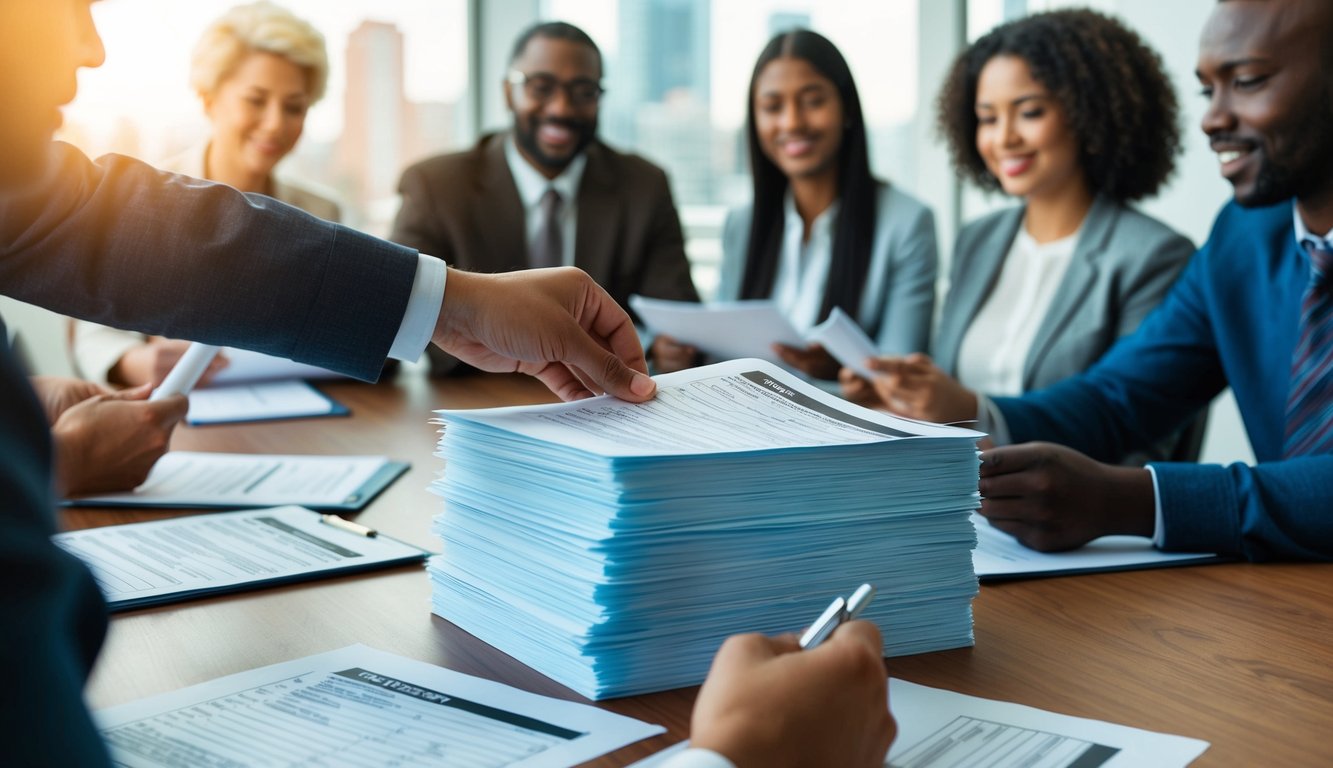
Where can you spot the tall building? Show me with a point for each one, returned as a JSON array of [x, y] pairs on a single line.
[[659, 97], [376, 114]]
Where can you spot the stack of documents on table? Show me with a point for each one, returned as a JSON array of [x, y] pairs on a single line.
[[613, 546]]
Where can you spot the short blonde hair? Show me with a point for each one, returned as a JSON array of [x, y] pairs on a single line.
[[258, 27]]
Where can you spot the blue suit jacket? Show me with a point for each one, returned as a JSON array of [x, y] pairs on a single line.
[[120, 243], [1231, 319]]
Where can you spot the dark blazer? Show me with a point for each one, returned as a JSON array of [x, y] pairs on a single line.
[[464, 208], [1231, 320], [93, 240]]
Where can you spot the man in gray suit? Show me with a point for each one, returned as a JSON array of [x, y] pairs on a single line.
[[548, 192]]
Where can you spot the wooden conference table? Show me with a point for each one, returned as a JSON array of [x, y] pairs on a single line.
[[1238, 655]]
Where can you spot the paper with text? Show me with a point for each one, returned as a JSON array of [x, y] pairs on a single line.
[[740, 405], [258, 402], [361, 708], [164, 560], [943, 729], [999, 555]]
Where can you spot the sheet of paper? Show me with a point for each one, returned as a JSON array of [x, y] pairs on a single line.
[[194, 479], [258, 402], [943, 729], [725, 330], [245, 366], [696, 411], [845, 340], [164, 560], [999, 555], [361, 708]]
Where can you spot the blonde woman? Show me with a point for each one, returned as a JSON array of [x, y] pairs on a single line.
[[257, 70]]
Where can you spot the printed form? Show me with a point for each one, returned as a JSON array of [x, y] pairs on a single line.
[[361, 708], [741, 405], [165, 560], [943, 729], [189, 478]]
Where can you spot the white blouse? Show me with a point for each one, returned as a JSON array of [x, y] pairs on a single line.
[[803, 265], [996, 344]]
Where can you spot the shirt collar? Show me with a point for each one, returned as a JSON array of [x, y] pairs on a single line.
[[823, 226], [532, 184], [1303, 232]]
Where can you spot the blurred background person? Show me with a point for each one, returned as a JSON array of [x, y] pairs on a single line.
[[257, 70], [1070, 112], [820, 231], [549, 192]]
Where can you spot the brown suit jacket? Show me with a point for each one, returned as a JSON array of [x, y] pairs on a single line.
[[464, 208]]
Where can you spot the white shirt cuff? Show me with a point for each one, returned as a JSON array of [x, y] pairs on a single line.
[[1157, 531], [697, 758], [991, 421], [423, 309]]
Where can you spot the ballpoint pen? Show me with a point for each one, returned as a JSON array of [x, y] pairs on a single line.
[[839, 610], [349, 526]]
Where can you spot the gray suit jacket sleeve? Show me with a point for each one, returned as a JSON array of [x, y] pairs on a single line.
[[123, 244]]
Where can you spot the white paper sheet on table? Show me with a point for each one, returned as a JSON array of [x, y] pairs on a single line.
[[198, 479], [364, 708], [265, 401], [245, 366], [164, 561], [943, 729], [999, 556]]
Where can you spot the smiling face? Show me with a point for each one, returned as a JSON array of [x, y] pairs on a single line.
[[258, 113], [551, 129], [1270, 106], [43, 43], [1022, 133], [798, 117]]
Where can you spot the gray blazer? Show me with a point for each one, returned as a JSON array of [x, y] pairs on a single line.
[[1122, 266], [899, 295]]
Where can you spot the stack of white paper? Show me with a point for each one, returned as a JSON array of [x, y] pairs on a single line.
[[614, 546]]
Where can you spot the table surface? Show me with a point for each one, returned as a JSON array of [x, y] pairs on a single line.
[[1238, 655]]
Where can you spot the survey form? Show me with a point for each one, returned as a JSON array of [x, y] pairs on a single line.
[[165, 561], [239, 480], [361, 708], [1000, 556], [265, 401], [740, 405], [943, 729]]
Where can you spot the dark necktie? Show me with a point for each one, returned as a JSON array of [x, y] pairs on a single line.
[[548, 251], [1310, 402]]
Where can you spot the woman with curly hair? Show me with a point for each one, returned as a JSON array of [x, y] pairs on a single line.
[[1070, 112], [821, 231]]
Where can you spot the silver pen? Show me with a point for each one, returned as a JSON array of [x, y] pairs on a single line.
[[839, 610]]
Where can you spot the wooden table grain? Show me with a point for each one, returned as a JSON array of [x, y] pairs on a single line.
[[1238, 655]]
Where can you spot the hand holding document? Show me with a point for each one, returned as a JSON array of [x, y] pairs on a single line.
[[738, 329], [236, 480], [360, 706], [166, 561]]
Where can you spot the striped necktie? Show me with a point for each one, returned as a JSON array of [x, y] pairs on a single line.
[[1310, 402], [548, 250]]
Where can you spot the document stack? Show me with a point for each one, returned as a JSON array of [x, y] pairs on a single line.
[[614, 546]]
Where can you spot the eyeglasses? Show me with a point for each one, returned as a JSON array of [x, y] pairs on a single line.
[[541, 88]]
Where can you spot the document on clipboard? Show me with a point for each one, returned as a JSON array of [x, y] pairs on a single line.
[[190, 479]]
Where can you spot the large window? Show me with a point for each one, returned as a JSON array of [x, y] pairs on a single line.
[[678, 73], [397, 91]]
